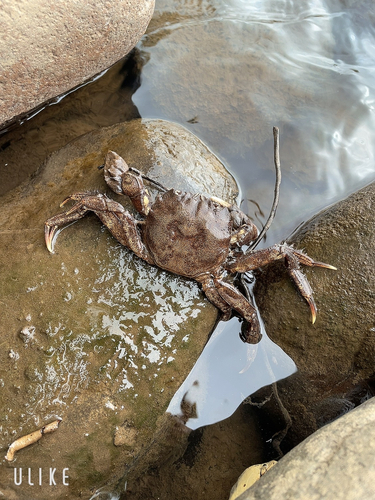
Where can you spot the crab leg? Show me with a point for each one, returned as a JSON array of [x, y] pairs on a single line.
[[214, 296], [122, 180], [52, 225], [120, 223], [239, 303], [293, 259], [226, 297]]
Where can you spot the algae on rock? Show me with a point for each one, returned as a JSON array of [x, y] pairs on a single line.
[[92, 333]]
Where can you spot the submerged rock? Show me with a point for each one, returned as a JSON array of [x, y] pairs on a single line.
[[92, 334], [56, 46]]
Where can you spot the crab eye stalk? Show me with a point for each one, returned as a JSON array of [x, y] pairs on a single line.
[[114, 169]]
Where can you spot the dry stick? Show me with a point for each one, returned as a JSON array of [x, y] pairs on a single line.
[[276, 158], [31, 438]]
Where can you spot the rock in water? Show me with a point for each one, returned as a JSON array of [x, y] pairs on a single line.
[[56, 46], [92, 334]]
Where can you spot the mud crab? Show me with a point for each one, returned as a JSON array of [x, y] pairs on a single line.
[[187, 234]]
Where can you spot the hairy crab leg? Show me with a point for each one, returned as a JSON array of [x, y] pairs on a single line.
[[251, 334], [213, 296], [119, 222], [293, 259], [226, 297]]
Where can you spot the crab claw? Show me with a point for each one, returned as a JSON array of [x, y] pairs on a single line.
[[304, 287], [55, 224], [322, 264], [250, 332], [114, 169], [308, 261], [313, 309], [309, 299], [50, 234]]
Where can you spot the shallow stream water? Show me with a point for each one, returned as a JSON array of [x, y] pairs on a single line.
[[230, 70]]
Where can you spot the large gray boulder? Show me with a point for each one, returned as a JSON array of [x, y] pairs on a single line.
[[92, 334], [48, 48]]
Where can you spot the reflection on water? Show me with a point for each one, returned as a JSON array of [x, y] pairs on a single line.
[[227, 372], [307, 67]]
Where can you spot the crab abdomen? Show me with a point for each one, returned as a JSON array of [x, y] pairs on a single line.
[[187, 234]]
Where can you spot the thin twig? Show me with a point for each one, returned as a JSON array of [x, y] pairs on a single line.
[[280, 435], [163, 188], [276, 158]]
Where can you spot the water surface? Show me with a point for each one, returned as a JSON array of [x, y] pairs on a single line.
[[237, 68], [230, 71]]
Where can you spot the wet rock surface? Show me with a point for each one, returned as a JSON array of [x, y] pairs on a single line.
[[310, 413], [336, 462], [213, 459], [91, 333], [57, 46], [334, 356]]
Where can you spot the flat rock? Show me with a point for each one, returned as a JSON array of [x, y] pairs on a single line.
[[337, 461], [92, 334], [48, 48]]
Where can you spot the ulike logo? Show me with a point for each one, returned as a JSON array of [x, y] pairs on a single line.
[[41, 476]]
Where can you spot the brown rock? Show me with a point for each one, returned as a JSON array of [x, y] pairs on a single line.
[[335, 356], [48, 48], [336, 462], [342, 339], [92, 333]]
